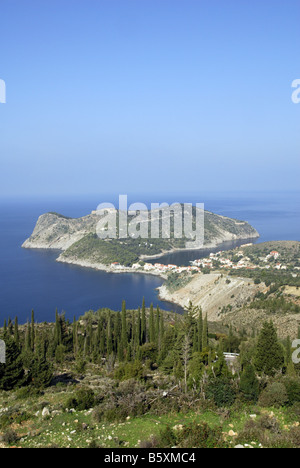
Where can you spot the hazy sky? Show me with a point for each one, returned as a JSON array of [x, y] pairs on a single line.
[[155, 95]]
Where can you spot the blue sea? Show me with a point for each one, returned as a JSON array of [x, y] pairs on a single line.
[[32, 279]]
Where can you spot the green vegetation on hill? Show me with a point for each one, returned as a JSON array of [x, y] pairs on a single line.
[[145, 378], [289, 252], [275, 305], [215, 223], [275, 277], [126, 252], [289, 257], [176, 281]]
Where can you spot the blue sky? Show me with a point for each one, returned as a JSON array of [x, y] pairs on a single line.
[[121, 96]]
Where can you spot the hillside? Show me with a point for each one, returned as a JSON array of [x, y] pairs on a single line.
[[244, 286], [288, 252], [146, 379], [213, 293]]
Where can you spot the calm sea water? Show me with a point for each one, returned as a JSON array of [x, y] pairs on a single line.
[[31, 279]]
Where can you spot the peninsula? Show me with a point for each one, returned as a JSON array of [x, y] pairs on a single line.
[[78, 243]]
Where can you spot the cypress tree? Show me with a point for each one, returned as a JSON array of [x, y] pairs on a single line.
[[41, 373], [157, 326], [289, 351], [161, 331], [200, 330], [151, 325], [75, 337], [5, 330], [40, 346], [102, 343], [57, 330], [249, 385], [124, 337], [176, 327], [133, 330], [118, 335], [220, 367], [10, 328], [205, 334], [12, 372], [139, 328], [32, 331], [60, 354], [28, 347], [16, 333], [99, 332], [143, 324], [96, 345], [89, 337], [269, 354], [195, 341], [109, 335]]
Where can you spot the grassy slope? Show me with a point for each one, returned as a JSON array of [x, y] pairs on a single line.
[[38, 432]]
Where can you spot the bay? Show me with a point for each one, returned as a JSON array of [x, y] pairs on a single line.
[[32, 279]]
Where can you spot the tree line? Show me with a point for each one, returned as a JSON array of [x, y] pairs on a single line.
[[130, 343]]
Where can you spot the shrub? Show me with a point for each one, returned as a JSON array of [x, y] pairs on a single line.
[[10, 437], [276, 441], [191, 436], [249, 385], [117, 414], [221, 391], [200, 436], [130, 387], [83, 400], [294, 436], [274, 395], [13, 416], [295, 411], [293, 390], [251, 432], [94, 445], [110, 412], [130, 370], [269, 423], [28, 392], [80, 366], [5, 420], [119, 408], [149, 352], [265, 431], [149, 444], [167, 438]]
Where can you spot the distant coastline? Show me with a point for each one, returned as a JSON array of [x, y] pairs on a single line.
[[76, 244], [124, 269], [44, 284]]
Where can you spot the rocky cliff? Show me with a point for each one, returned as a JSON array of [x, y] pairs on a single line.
[[54, 231]]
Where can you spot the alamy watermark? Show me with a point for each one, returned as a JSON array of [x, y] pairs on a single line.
[[162, 221], [296, 353], [2, 92], [296, 93], [2, 352]]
